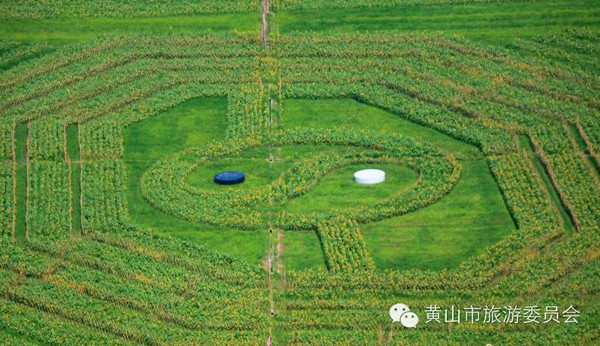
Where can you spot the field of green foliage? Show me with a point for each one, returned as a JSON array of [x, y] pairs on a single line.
[[115, 115]]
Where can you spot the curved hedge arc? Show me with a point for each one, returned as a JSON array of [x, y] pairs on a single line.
[[163, 185]]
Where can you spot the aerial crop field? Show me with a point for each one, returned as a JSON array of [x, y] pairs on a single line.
[[115, 117]]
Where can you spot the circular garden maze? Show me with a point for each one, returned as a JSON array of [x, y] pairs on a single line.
[[73, 259]]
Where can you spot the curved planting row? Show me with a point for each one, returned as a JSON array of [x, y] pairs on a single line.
[[163, 185], [150, 289]]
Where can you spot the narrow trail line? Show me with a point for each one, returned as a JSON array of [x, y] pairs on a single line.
[[264, 27], [280, 268], [275, 269], [14, 157], [80, 164], [270, 279], [28, 182]]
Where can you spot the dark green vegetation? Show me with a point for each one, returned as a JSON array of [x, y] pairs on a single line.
[[495, 22], [13, 53], [15, 9], [483, 220], [193, 123]]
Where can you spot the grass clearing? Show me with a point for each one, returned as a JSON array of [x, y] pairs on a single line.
[[439, 236], [446, 233], [65, 30], [353, 115], [338, 189], [496, 22], [192, 123], [302, 251]]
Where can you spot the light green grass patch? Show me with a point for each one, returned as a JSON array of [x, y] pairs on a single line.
[[190, 124], [350, 114], [339, 190], [444, 234], [472, 217], [302, 250], [493, 22], [63, 30]]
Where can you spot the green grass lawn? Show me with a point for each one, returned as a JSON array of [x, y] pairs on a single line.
[[445, 233], [193, 123], [497, 23], [64, 30], [338, 189], [301, 250], [350, 114], [441, 235]]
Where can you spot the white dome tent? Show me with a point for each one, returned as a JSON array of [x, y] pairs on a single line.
[[369, 176]]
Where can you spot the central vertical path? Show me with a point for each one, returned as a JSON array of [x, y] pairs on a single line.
[[270, 283], [264, 26], [271, 273]]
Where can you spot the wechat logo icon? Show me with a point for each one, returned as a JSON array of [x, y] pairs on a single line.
[[401, 313]]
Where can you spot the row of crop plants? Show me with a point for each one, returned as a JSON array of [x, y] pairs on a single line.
[[13, 53], [535, 257], [343, 246], [7, 171], [136, 293], [81, 72], [114, 8], [73, 88], [492, 90], [571, 172]]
